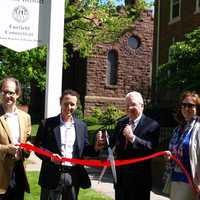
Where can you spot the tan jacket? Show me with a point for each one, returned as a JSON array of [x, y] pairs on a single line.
[[6, 162]]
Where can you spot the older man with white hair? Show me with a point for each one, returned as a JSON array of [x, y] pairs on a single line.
[[136, 136]]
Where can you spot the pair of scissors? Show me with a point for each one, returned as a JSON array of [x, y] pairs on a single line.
[[111, 159]]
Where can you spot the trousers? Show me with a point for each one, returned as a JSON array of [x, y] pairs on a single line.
[[64, 190], [16, 186]]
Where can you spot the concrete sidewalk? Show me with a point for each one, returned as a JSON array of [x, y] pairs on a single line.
[[105, 186]]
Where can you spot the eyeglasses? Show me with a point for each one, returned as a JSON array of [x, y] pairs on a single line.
[[9, 93], [188, 105]]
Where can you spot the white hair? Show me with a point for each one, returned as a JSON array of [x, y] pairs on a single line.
[[135, 95]]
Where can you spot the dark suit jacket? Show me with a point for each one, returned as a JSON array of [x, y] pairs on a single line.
[[49, 138], [147, 132]]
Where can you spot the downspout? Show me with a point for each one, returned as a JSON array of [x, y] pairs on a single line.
[[157, 51]]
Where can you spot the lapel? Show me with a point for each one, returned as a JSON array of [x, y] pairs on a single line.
[[138, 130], [21, 126], [4, 124], [56, 132], [79, 135], [125, 122]]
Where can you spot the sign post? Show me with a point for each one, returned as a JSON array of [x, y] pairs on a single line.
[[55, 58]]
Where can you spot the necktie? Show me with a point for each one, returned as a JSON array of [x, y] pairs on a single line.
[[132, 124]]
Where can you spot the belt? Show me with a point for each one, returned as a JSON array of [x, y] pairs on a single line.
[[65, 169]]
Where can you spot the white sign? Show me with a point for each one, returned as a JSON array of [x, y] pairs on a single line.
[[24, 24]]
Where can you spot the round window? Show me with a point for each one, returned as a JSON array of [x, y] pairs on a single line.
[[133, 42]]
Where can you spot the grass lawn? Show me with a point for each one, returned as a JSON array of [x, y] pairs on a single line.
[[34, 129], [87, 194]]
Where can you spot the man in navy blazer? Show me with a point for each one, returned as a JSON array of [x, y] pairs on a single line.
[[64, 136], [136, 136]]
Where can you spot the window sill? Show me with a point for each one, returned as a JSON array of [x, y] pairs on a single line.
[[111, 86], [197, 11], [174, 20]]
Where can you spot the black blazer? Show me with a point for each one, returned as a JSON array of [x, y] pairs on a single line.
[[48, 137], [147, 132]]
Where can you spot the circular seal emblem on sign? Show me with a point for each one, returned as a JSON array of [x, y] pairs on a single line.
[[20, 13]]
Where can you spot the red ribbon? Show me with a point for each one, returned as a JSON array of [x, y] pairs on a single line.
[[103, 163]]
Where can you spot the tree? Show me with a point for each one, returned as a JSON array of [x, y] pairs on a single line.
[[27, 66], [183, 69], [86, 24]]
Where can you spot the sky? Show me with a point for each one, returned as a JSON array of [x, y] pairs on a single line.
[[149, 1], [121, 1]]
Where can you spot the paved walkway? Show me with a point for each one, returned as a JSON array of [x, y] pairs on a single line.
[[105, 186]]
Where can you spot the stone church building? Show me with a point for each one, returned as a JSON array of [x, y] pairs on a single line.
[[115, 69]]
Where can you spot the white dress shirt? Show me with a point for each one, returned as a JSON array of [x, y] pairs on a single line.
[[68, 135], [13, 124]]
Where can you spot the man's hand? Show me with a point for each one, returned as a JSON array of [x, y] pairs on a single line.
[[11, 149], [25, 152], [14, 151], [56, 159], [100, 141], [168, 155], [128, 133]]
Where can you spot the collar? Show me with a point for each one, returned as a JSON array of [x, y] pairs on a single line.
[[11, 114], [66, 123], [136, 121]]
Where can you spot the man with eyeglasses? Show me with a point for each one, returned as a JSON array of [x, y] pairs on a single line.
[[15, 128]]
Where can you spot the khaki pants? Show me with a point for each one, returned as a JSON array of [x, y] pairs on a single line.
[[182, 191]]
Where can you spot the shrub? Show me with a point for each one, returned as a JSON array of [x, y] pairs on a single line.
[[79, 112], [110, 115], [107, 117], [90, 120]]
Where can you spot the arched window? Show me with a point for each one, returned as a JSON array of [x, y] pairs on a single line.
[[112, 62], [175, 10]]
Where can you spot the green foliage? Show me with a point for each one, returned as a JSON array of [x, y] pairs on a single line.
[[86, 24], [27, 66], [79, 112], [34, 129], [90, 194], [111, 115], [107, 117], [90, 120], [90, 22], [97, 113], [184, 67], [34, 187]]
